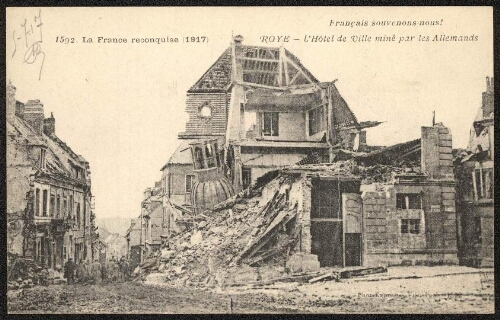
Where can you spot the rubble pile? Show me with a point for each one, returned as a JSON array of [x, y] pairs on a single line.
[[377, 173], [258, 230], [250, 236], [25, 273]]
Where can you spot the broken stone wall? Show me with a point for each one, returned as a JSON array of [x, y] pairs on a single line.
[[19, 169]]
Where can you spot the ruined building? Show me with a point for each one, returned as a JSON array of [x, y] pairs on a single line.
[[475, 175], [49, 200], [308, 191], [389, 207], [256, 109], [392, 206]]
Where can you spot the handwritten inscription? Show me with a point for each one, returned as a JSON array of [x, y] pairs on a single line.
[[29, 36]]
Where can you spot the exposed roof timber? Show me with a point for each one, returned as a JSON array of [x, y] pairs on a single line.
[[259, 71], [271, 53], [299, 70], [392, 153], [294, 77], [282, 60], [261, 59], [251, 84], [362, 125]]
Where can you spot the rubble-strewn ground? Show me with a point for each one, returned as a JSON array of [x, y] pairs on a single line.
[[401, 290]]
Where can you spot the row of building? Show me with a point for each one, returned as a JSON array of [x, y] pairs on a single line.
[[50, 211], [258, 109]]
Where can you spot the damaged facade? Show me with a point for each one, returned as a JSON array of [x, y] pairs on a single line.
[[371, 210], [50, 212], [281, 178], [475, 174], [256, 109]]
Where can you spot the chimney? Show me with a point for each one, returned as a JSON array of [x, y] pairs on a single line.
[[33, 114], [11, 101], [49, 125], [436, 157], [237, 58], [488, 98]]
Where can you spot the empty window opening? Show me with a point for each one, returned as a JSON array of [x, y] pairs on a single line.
[[408, 201], [270, 124], [58, 210], [205, 111], [78, 220], [316, 120], [37, 202], [44, 204], [65, 207], [189, 182], [52, 205], [70, 209], [251, 124], [210, 155], [485, 183], [198, 158]]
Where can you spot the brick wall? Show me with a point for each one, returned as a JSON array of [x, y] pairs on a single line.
[[202, 126]]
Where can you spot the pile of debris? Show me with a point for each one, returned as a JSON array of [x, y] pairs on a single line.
[[376, 173], [259, 229], [25, 273], [250, 236]]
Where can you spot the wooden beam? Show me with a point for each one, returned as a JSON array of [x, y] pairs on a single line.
[[250, 84], [262, 71], [329, 276], [283, 60], [294, 78], [299, 69], [271, 53], [261, 59]]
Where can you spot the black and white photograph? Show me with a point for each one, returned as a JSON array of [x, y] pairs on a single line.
[[249, 160]]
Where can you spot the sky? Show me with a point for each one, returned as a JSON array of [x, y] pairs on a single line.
[[121, 105]]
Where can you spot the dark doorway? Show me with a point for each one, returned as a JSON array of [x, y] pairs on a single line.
[[352, 249], [246, 177], [327, 242], [325, 200]]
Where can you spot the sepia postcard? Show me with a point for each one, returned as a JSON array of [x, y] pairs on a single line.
[[239, 160]]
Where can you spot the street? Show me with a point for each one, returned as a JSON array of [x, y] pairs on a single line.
[[455, 292]]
